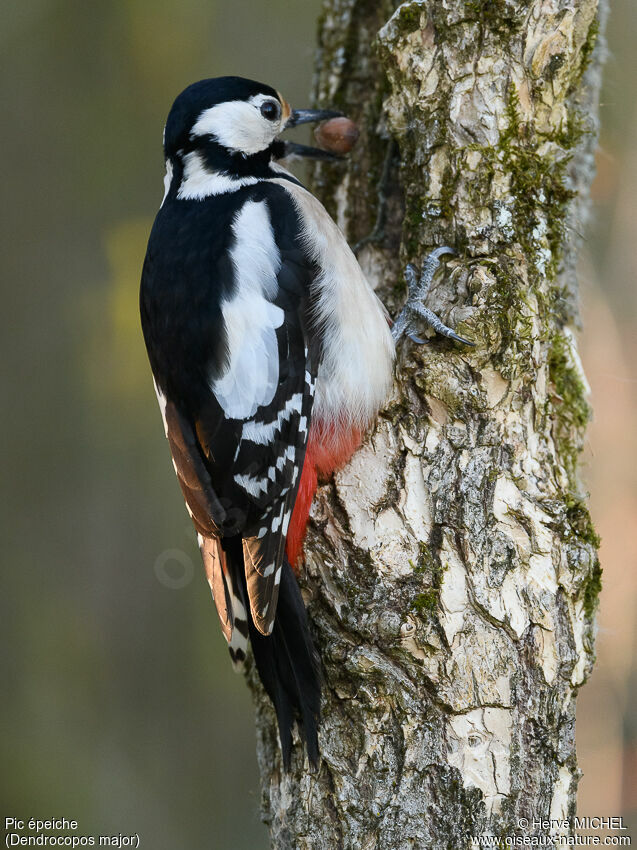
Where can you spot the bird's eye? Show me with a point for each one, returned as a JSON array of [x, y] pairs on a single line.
[[270, 110]]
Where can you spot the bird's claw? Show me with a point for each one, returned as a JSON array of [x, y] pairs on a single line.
[[418, 287]]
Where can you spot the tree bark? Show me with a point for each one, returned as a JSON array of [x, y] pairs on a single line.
[[451, 568]]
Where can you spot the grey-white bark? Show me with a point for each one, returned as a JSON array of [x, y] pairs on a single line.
[[451, 568]]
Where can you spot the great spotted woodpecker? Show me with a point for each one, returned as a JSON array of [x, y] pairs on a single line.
[[271, 356]]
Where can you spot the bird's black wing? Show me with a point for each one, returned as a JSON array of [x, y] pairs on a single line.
[[239, 474]]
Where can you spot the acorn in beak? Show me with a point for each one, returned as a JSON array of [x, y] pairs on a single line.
[[307, 116]]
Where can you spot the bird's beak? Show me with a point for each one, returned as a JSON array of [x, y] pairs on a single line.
[[306, 116], [293, 150], [285, 149]]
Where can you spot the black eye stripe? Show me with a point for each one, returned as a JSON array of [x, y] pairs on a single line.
[[270, 110]]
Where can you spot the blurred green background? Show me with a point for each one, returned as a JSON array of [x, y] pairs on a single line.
[[120, 708]]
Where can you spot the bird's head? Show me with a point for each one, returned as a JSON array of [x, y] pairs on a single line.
[[233, 123]]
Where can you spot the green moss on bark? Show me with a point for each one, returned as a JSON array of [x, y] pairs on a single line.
[[499, 16], [570, 409], [426, 602], [592, 589], [571, 393], [589, 46], [579, 521]]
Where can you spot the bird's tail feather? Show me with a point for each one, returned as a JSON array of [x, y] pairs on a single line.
[[287, 663]]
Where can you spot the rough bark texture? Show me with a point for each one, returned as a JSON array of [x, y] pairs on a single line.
[[451, 572]]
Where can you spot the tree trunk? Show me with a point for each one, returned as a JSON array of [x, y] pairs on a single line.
[[451, 568]]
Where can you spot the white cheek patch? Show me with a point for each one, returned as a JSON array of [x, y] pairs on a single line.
[[238, 125], [251, 377]]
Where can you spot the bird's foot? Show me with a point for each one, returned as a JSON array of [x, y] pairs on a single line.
[[418, 287]]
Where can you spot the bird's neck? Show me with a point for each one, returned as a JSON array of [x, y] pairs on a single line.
[[223, 161], [214, 170]]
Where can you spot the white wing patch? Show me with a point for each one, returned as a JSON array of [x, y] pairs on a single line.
[[250, 319], [288, 454], [254, 486], [262, 433]]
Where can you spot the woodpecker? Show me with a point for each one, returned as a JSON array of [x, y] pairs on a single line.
[[271, 357]]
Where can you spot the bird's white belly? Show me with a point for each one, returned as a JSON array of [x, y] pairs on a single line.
[[355, 373]]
